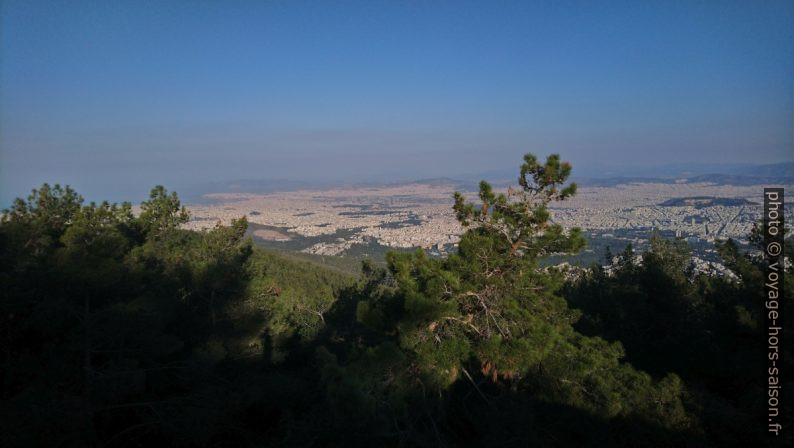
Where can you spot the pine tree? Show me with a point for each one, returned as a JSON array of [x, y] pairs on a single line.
[[487, 322]]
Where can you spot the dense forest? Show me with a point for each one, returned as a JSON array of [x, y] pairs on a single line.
[[129, 331]]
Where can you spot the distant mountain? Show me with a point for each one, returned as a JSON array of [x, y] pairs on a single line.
[[739, 179], [733, 174], [689, 170], [620, 180], [705, 201], [785, 170], [716, 179], [719, 174]]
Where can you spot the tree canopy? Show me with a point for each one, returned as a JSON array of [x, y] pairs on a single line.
[[125, 330]]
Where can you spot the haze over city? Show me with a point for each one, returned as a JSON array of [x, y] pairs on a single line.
[[115, 97]]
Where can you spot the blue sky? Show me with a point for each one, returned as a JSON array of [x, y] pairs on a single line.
[[113, 97]]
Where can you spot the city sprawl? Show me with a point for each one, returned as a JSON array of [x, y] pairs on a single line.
[[331, 222]]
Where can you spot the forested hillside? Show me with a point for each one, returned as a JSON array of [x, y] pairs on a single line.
[[123, 330]]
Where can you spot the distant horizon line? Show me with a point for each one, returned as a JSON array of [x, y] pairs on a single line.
[[193, 191]]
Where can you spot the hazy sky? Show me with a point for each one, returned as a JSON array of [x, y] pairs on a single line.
[[113, 97]]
